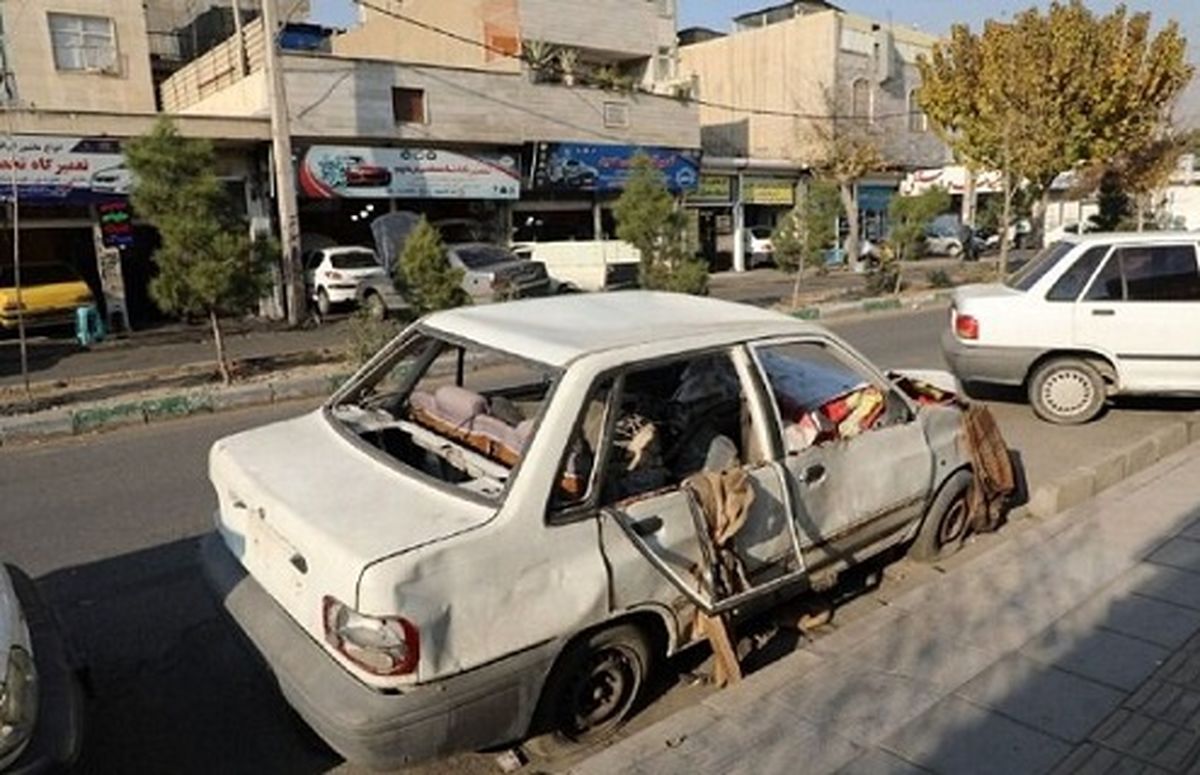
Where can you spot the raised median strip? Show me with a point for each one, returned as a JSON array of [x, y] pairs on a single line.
[[839, 309], [108, 415]]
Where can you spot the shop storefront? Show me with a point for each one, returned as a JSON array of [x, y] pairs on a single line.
[[712, 204], [571, 187], [346, 190]]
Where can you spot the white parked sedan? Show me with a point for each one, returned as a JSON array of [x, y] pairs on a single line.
[[349, 276], [1090, 317], [501, 523]]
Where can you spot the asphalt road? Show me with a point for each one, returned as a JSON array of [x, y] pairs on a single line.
[[107, 525]]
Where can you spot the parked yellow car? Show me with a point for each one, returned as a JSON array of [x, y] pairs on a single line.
[[50, 292]]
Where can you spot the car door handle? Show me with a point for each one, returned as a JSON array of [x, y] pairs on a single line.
[[814, 474], [648, 526], [1104, 312]]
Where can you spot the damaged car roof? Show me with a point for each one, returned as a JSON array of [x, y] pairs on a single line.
[[558, 330]]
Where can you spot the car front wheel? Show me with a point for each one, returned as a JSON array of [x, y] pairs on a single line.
[[1066, 391], [945, 525], [376, 309]]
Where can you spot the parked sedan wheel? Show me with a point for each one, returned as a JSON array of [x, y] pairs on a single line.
[[945, 525], [1066, 391], [594, 688], [324, 305], [376, 309]]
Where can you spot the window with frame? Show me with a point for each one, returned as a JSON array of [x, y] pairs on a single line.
[[676, 419], [820, 398], [1072, 282], [860, 100], [408, 105], [917, 120], [1162, 273], [83, 42], [576, 474], [664, 64]]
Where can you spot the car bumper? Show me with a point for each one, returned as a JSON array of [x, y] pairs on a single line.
[[58, 734], [987, 364], [483, 707]]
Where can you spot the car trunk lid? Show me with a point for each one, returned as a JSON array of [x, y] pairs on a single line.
[[306, 510]]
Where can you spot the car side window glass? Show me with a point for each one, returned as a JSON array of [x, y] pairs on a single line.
[[574, 482], [821, 398], [1072, 282], [1161, 273], [674, 420], [1108, 285]]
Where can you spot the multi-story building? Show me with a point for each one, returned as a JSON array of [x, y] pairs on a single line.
[[77, 83], [517, 116], [779, 89]]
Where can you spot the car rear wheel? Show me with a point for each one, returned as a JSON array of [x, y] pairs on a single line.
[[376, 309], [1066, 391], [593, 689], [324, 305], [945, 525]]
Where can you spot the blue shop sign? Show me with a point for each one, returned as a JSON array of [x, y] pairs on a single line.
[[605, 168]]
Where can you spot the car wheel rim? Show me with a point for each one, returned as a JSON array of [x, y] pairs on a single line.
[[603, 691], [1068, 393], [954, 523]]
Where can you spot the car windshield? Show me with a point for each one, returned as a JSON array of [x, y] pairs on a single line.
[[357, 259], [479, 256], [1027, 276], [37, 274], [457, 412]]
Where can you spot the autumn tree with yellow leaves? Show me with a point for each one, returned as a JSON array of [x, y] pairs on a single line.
[[1051, 91]]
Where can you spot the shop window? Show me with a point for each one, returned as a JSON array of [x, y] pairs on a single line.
[[408, 105], [616, 115], [860, 100], [86, 43]]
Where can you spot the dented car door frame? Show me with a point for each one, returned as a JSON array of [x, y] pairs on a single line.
[[701, 591]]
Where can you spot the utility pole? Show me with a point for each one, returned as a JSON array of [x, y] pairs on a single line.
[[9, 96], [285, 183]]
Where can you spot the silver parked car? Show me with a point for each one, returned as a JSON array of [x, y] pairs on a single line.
[[41, 703], [492, 273]]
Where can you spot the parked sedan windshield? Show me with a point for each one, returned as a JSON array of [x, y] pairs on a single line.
[[358, 259], [479, 256], [1027, 276]]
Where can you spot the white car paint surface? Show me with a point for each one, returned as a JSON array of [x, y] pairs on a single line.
[[1128, 303], [393, 501], [14, 632]]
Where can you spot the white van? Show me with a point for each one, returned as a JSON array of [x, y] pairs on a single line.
[[1089, 317], [493, 529]]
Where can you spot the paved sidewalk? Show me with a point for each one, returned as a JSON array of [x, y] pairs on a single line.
[[1072, 648]]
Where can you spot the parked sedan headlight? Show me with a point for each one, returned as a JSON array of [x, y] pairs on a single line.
[[18, 702]]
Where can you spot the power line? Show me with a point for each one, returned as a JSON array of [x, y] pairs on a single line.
[[542, 67]]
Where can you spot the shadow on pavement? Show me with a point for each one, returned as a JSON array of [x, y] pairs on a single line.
[[43, 352], [175, 690]]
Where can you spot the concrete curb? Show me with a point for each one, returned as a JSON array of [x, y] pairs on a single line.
[[870, 306], [54, 423], [1087, 481]]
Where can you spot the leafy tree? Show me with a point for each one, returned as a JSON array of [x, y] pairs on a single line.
[[1050, 91], [207, 263], [649, 219], [424, 274], [1113, 202], [806, 231], [851, 153], [910, 216]]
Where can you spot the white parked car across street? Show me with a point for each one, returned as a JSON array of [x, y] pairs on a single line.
[[1090, 317], [505, 519], [350, 276]]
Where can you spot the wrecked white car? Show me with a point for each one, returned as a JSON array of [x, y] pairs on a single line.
[[511, 513]]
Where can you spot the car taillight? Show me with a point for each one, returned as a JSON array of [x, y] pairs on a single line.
[[381, 645], [966, 326], [334, 275]]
